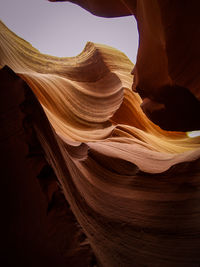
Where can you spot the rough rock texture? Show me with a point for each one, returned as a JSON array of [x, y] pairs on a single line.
[[166, 74], [133, 187]]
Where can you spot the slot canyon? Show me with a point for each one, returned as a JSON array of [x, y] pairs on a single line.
[[97, 165]]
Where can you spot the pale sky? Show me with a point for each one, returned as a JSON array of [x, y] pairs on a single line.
[[63, 29]]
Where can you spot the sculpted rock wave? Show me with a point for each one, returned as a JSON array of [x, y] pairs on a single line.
[[133, 187], [166, 74]]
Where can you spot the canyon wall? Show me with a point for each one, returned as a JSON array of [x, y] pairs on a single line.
[[73, 127]]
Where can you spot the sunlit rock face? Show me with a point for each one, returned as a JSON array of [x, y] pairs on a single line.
[[133, 187], [166, 74]]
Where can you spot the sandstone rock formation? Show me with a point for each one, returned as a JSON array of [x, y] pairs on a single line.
[[38, 227], [133, 187], [166, 74]]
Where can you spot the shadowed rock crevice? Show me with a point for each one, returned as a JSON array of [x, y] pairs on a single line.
[[177, 109], [43, 230]]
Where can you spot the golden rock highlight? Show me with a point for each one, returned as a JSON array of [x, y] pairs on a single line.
[[133, 187]]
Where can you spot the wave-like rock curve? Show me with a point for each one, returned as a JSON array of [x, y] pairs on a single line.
[[166, 74], [133, 187]]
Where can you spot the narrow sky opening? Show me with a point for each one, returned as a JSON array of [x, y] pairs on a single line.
[[62, 29], [193, 134]]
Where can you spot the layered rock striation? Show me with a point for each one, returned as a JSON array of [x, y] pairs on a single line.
[[133, 187], [166, 74]]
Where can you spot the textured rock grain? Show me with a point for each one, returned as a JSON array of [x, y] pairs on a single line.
[[133, 187]]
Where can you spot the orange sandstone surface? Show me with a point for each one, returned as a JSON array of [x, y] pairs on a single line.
[[166, 74], [85, 171]]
